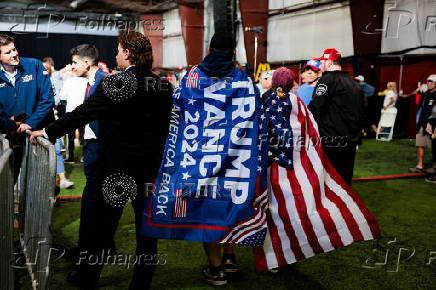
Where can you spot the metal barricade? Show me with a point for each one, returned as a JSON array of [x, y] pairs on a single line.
[[37, 185], [6, 215]]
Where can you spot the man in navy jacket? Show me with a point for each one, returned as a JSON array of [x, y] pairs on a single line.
[[25, 86], [26, 90], [85, 64]]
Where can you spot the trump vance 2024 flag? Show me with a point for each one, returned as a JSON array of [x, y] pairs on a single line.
[[211, 185]]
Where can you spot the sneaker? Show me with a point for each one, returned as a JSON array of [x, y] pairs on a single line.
[[273, 270], [431, 170], [66, 183], [214, 276], [229, 264], [431, 179], [416, 169]]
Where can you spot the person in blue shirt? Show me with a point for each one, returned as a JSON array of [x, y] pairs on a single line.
[[26, 91], [311, 74]]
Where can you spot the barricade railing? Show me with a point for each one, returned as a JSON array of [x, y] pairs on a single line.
[[6, 215], [36, 199]]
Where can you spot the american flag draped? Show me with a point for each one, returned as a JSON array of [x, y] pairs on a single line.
[[312, 210]]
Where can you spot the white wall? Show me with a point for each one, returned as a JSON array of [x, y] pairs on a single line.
[[174, 53], [305, 34]]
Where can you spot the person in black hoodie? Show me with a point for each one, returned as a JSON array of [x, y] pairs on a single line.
[[133, 109], [337, 106], [218, 64]]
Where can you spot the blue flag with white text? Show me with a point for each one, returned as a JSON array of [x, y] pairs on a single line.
[[211, 185]]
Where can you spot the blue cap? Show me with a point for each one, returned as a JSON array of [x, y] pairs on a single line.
[[313, 64]]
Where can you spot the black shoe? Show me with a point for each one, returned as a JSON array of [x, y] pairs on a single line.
[[214, 275], [416, 170], [229, 264], [431, 179]]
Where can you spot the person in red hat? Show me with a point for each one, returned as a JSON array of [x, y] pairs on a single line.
[[337, 106]]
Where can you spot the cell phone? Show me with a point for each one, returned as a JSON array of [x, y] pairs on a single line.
[[21, 117]]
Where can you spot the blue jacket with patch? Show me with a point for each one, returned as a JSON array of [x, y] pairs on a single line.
[[32, 93]]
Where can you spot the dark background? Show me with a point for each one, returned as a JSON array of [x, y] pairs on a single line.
[[58, 46]]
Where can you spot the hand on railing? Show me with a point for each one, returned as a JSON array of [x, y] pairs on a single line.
[[23, 128], [34, 135]]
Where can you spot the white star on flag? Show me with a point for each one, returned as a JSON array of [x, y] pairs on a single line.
[[191, 101], [186, 175]]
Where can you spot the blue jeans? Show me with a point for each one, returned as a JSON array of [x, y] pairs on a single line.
[[60, 168]]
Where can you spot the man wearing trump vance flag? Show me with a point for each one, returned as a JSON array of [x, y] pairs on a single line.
[[211, 187], [217, 184]]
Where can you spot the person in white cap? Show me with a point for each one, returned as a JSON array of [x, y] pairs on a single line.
[[423, 140], [265, 81]]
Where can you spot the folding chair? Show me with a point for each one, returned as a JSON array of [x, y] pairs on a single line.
[[385, 128]]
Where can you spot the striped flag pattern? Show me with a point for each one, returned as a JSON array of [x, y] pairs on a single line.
[[192, 79], [246, 228], [312, 210], [179, 205]]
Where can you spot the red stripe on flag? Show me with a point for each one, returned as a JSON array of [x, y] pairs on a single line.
[[261, 197], [372, 222], [302, 212], [259, 254], [324, 214], [289, 230], [346, 214], [275, 241]]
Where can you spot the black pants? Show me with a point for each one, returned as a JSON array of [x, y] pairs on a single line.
[[103, 244], [342, 159], [88, 209]]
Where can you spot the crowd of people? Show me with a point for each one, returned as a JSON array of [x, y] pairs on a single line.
[[32, 91]]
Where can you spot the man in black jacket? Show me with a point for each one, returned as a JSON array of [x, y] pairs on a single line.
[[133, 109], [337, 106]]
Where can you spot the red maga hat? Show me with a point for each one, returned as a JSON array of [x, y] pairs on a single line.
[[330, 54]]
